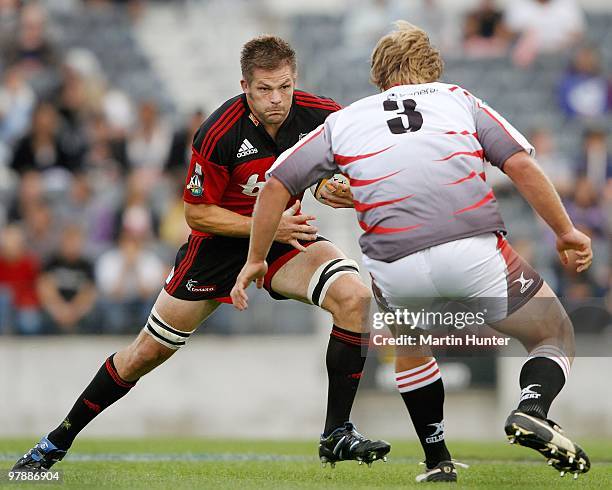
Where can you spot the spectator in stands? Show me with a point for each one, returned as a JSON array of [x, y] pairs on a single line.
[[148, 145], [17, 102], [93, 212], [30, 190], [42, 149], [180, 150], [18, 274], [41, 229], [32, 48], [484, 33], [584, 90], [553, 162], [173, 229], [128, 279], [9, 20], [595, 163], [584, 208], [107, 149], [543, 26], [137, 213], [66, 286]]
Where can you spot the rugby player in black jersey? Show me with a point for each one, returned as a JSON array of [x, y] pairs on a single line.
[[232, 150]]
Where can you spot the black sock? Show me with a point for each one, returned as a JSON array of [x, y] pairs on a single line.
[[426, 407], [104, 389], [541, 381], [346, 355]]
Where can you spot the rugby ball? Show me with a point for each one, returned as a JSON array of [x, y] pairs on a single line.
[[320, 185]]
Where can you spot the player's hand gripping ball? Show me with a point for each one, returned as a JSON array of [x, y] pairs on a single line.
[[333, 191]]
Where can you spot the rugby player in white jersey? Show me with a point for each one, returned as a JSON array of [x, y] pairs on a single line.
[[414, 155]]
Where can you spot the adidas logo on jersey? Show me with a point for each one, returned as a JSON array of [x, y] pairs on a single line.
[[246, 148]]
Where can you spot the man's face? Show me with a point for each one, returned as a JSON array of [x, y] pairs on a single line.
[[270, 93]]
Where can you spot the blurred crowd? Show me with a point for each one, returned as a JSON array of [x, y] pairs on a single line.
[[91, 179], [90, 187]]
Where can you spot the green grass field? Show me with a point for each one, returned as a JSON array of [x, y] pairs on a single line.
[[204, 463]]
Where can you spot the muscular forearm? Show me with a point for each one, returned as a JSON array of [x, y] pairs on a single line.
[[537, 189], [209, 218], [269, 208]]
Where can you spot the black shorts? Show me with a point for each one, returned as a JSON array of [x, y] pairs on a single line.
[[207, 267]]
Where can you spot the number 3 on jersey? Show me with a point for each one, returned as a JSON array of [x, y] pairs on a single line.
[[397, 125]]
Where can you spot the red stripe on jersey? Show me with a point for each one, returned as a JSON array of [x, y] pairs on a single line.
[[224, 130], [315, 100], [217, 124], [185, 265], [343, 160], [361, 207], [471, 176], [480, 203], [306, 95], [381, 230], [483, 176], [427, 366], [477, 153], [362, 182], [453, 88], [317, 106], [429, 376], [465, 132], [201, 233], [497, 121]]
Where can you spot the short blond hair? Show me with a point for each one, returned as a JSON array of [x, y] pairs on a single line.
[[405, 56]]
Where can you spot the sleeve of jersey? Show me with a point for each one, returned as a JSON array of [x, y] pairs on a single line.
[[499, 139], [206, 181], [308, 161]]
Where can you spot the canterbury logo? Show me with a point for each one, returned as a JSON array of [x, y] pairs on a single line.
[[252, 186], [525, 283], [438, 433], [246, 148], [92, 406], [527, 393]]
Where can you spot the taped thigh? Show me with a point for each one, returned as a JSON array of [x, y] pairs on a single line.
[[326, 274], [163, 333]]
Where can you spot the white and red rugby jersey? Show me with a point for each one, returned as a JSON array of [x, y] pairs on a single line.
[[415, 156]]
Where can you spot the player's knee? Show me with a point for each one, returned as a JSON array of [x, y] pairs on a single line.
[[349, 299], [145, 357], [330, 278], [557, 327]]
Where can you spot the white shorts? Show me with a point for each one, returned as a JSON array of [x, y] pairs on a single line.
[[483, 267]]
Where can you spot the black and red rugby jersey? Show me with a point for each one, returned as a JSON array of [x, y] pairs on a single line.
[[232, 151]]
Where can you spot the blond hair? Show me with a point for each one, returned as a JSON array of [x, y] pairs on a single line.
[[405, 56]]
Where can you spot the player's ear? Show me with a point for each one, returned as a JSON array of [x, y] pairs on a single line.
[[245, 86]]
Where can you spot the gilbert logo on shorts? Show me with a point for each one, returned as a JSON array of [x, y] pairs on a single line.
[[525, 283], [192, 285]]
